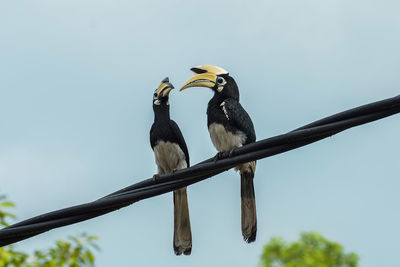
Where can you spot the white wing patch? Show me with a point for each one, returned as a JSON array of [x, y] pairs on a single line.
[[224, 110]]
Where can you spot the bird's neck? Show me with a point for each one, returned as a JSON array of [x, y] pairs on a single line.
[[216, 100], [161, 113]]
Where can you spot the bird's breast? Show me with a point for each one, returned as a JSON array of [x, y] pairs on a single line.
[[169, 156], [225, 140]]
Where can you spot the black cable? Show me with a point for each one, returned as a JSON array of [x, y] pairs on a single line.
[[165, 183]]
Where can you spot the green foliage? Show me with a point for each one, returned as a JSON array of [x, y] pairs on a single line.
[[4, 215], [10, 257], [73, 252], [312, 250]]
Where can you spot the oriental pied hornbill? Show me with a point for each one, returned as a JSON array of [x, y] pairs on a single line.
[[230, 127], [171, 154]]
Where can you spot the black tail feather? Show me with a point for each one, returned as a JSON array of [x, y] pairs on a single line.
[[249, 217], [182, 231]]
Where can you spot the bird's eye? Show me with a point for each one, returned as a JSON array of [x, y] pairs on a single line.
[[220, 80], [155, 95]]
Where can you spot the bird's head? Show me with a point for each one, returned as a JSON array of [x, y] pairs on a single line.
[[161, 94], [215, 78]]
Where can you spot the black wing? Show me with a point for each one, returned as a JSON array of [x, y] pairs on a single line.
[[153, 136], [239, 118], [180, 140]]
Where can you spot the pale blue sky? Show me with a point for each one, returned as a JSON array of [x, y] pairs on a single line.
[[76, 84]]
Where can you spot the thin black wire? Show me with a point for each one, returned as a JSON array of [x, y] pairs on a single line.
[[165, 183]]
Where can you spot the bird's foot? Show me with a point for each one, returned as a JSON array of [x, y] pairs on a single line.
[[232, 152], [219, 156], [155, 177]]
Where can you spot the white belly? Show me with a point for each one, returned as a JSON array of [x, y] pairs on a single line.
[[225, 140], [169, 156]]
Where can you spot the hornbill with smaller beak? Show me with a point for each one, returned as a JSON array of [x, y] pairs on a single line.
[[230, 127], [171, 154]]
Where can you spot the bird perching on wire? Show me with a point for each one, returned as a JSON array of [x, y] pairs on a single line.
[[171, 154], [230, 127]]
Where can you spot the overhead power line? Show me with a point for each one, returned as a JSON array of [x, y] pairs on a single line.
[[165, 183]]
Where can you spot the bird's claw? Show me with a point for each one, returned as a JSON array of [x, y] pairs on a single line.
[[232, 152], [155, 177], [221, 155], [218, 156]]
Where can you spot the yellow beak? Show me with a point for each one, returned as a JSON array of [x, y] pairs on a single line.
[[201, 80], [164, 89]]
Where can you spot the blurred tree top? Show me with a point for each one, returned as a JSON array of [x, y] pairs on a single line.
[[73, 252], [312, 250]]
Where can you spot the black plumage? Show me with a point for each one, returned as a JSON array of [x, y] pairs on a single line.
[[171, 154], [165, 129], [230, 113], [230, 127]]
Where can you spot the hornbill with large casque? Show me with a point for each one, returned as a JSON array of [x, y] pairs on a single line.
[[230, 127], [171, 154]]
